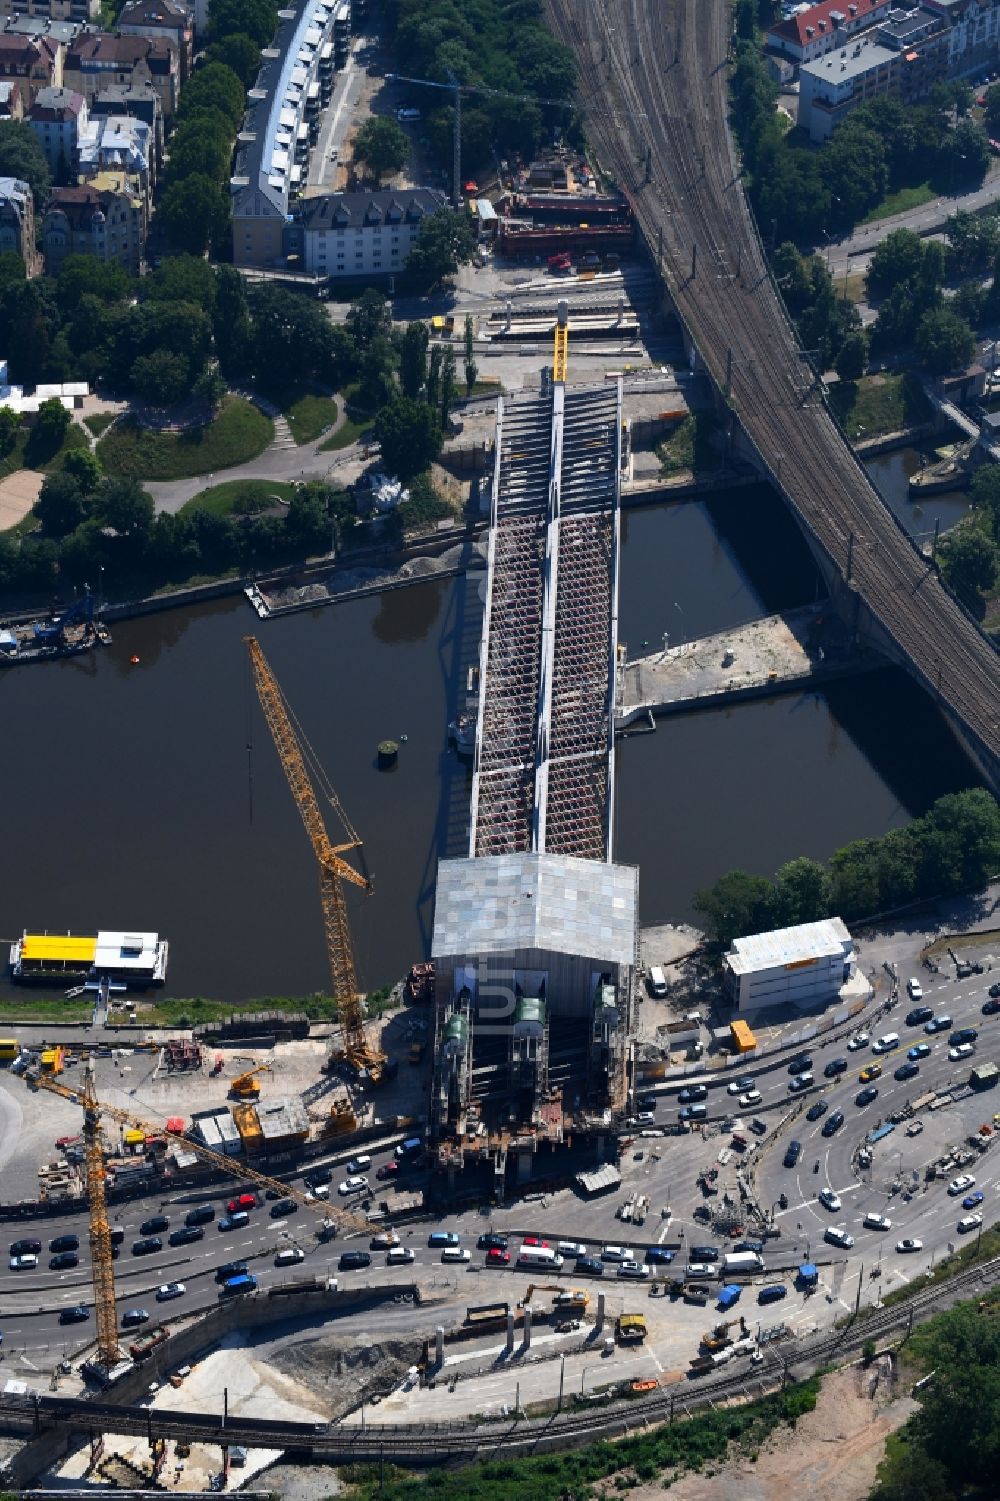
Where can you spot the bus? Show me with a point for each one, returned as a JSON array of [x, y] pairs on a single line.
[[542, 1256]]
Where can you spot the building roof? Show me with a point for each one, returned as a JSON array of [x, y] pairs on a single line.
[[823, 19], [56, 104], [115, 142], [381, 206], [165, 13], [860, 59], [62, 32], [556, 903], [79, 205], [786, 947], [904, 27], [115, 50], [13, 190], [26, 51]]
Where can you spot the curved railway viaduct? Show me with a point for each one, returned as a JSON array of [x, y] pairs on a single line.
[[654, 78]]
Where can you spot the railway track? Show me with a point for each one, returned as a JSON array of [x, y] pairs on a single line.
[[654, 75]]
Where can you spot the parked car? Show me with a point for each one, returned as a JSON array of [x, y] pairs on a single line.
[[699, 1270], [289, 1256], [169, 1290], [439, 1238], [404, 1255], [498, 1256], [387, 1170], [704, 1253], [353, 1261], [591, 1266], [916, 990], [491, 1241]]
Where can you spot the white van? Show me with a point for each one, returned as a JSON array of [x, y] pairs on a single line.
[[456, 1253], [887, 1043], [657, 981], [289, 1256]]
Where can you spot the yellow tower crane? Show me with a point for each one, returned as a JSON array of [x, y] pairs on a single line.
[[333, 868], [560, 349], [334, 1220]]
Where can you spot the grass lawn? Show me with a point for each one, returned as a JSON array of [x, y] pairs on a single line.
[[75, 438], [239, 497], [899, 202], [688, 449], [879, 404], [344, 436], [99, 422], [42, 1010], [309, 416], [239, 432]]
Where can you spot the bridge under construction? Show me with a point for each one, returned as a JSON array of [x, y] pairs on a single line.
[[535, 931]]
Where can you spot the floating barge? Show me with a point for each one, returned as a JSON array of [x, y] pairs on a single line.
[[63, 634], [124, 960]]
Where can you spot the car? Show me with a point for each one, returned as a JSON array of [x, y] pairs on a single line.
[[693, 1092], [353, 1261], [203, 1214], [65, 1243], [835, 1235], [704, 1253], [387, 1170], [533, 1240], [741, 1085], [592, 1266], [456, 1253], [886, 1044], [964, 1050], [800, 1064], [915, 989], [834, 1067], [283, 1207], [860, 1040], [919, 1050], [242, 1201], [757, 1246], [573, 1248], [758, 1127], [994, 991], [991, 1007], [699, 1270], [168, 1290], [358, 1165], [659, 1254], [491, 1241], [971, 1200], [319, 1177], [834, 1123], [383, 1241], [78, 1314], [815, 1112], [155, 1225], [866, 1095], [830, 1200], [235, 1221], [752, 1097], [904, 1247], [873, 1071], [959, 1185], [969, 1222], [692, 1113], [497, 1256], [133, 1317], [873, 1221], [230, 1269], [919, 1015], [289, 1256], [656, 980], [401, 1256], [438, 1238], [352, 1186], [633, 1269], [792, 1153], [799, 1083], [148, 1246], [273, 1193], [914, 1128], [938, 1024], [187, 1235], [906, 1071], [645, 1118], [63, 1260], [964, 1034], [26, 1262], [614, 1253], [26, 1247]]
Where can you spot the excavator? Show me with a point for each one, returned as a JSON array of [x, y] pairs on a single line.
[[333, 1221], [720, 1337], [246, 1086], [293, 748]]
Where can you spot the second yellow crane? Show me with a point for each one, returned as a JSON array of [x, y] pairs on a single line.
[[333, 868]]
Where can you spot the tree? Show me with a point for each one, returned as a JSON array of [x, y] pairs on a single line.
[[855, 169], [182, 278], [737, 904], [382, 145], [792, 275], [124, 505], [162, 378], [238, 52], [254, 18], [83, 551], [213, 87], [195, 213], [965, 155], [985, 492], [969, 561], [745, 20], [49, 430], [10, 426], [231, 326], [413, 359], [87, 276], [802, 893], [61, 505], [83, 465], [444, 242], [306, 524], [369, 317], [992, 112], [471, 368], [11, 268], [852, 360], [447, 385], [21, 155], [409, 434], [944, 341], [195, 147], [899, 257], [294, 340]]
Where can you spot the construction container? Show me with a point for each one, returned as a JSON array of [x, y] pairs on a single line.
[[206, 1130], [134, 1138], [248, 1126], [231, 1143]]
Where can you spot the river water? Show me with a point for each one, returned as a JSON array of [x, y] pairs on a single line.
[[148, 794]]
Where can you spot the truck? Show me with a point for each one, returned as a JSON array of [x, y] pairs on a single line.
[[984, 1076], [487, 1313], [9, 1049], [630, 1328], [745, 1263]]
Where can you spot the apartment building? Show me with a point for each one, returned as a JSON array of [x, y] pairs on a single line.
[[161, 18], [351, 235], [105, 217], [814, 32], [97, 60], [57, 116], [17, 222]]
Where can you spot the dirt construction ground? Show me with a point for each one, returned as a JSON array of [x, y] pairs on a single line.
[[830, 1455]]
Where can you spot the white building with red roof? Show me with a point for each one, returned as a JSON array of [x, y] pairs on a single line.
[[814, 31]]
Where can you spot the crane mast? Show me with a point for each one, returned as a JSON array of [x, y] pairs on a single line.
[[333, 868], [101, 1260]]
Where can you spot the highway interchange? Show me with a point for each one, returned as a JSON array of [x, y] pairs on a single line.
[[663, 1167]]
